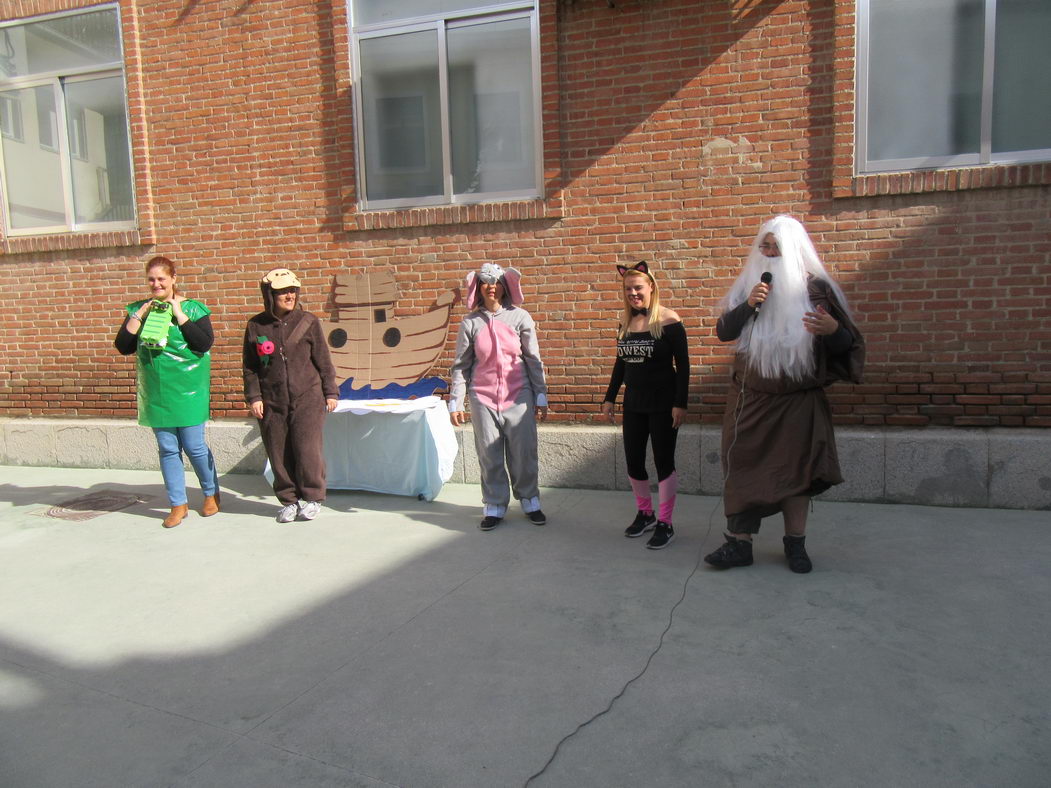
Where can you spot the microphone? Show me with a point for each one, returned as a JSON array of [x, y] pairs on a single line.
[[766, 279]]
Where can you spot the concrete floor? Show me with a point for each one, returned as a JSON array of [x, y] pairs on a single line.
[[392, 643]]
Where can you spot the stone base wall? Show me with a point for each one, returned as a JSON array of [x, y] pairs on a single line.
[[997, 468]]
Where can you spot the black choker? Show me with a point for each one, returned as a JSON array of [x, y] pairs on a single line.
[[643, 311]]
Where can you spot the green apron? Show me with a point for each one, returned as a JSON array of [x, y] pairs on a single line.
[[174, 381]]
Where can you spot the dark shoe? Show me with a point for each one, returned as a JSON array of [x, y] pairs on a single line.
[[176, 516], [663, 533], [489, 523], [736, 552], [643, 522], [537, 517], [795, 552]]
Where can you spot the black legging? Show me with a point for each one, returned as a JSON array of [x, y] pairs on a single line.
[[655, 427]]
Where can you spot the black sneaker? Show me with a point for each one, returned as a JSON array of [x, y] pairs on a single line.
[[537, 517], [736, 552], [663, 533], [643, 522], [489, 523], [795, 552]]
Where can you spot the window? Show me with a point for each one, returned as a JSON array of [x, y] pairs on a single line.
[[78, 138], [68, 167], [447, 102], [952, 83], [11, 116], [46, 118]]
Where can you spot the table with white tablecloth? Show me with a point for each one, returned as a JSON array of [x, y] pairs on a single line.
[[402, 447], [396, 446]]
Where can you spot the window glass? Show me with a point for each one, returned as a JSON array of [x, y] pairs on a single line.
[[33, 169], [62, 43], [491, 107], [925, 78], [448, 106], [98, 135], [11, 116], [368, 12], [401, 103], [1021, 108], [46, 117], [65, 143]]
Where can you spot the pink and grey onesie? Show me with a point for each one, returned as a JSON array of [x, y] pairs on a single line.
[[498, 365]]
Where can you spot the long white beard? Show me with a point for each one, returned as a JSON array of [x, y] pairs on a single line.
[[777, 343]]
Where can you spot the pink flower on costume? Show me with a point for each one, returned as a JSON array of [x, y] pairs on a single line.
[[265, 348]]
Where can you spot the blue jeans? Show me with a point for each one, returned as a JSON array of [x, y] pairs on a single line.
[[171, 442]]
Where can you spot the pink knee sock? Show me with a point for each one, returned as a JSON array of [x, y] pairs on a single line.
[[641, 488], [666, 489]]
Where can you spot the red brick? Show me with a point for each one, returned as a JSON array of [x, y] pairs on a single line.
[[250, 162]]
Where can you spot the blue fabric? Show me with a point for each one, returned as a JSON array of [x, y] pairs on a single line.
[[171, 443]]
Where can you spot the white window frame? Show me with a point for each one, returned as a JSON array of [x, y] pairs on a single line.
[[440, 24], [984, 155], [56, 79]]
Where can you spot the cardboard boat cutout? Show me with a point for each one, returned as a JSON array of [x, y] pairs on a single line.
[[376, 354]]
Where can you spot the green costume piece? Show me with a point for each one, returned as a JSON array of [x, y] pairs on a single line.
[[154, 332], [174, 381]]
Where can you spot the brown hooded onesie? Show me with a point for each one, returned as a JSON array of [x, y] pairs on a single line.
[[293, 380]]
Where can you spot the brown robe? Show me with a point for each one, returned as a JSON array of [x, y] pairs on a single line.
[[777, 439]]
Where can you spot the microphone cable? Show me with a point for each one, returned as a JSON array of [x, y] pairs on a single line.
[[738, 410]]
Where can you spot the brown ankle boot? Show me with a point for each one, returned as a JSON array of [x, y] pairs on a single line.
[[210, 506], [176, 516]]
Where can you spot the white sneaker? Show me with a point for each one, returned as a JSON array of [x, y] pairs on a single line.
[[288, 513], [308, 510]]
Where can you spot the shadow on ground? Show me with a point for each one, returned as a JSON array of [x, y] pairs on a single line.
[[392, 643]]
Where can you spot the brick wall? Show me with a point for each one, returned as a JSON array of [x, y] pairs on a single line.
[[672, 129]]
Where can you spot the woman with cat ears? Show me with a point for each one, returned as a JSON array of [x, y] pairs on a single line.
[[653, 364]]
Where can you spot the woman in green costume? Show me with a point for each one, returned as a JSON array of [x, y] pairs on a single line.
[[171, 336]]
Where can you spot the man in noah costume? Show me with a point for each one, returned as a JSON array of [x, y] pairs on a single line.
[[795, 335]]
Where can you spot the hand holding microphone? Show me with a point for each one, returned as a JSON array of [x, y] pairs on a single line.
[[760, 291]]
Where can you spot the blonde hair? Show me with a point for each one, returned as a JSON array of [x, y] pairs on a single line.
[[653, 314]]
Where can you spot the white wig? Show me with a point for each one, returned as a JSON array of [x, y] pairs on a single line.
[[777, 342]]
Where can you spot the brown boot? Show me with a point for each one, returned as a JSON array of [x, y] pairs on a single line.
[[176, 516], [210, 506]]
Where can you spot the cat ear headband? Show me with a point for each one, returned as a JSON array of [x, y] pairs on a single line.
[[641, 267]]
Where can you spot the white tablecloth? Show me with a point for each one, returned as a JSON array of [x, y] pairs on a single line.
[[402, 447]]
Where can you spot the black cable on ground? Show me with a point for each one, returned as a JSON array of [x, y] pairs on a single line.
[[671, 613]]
